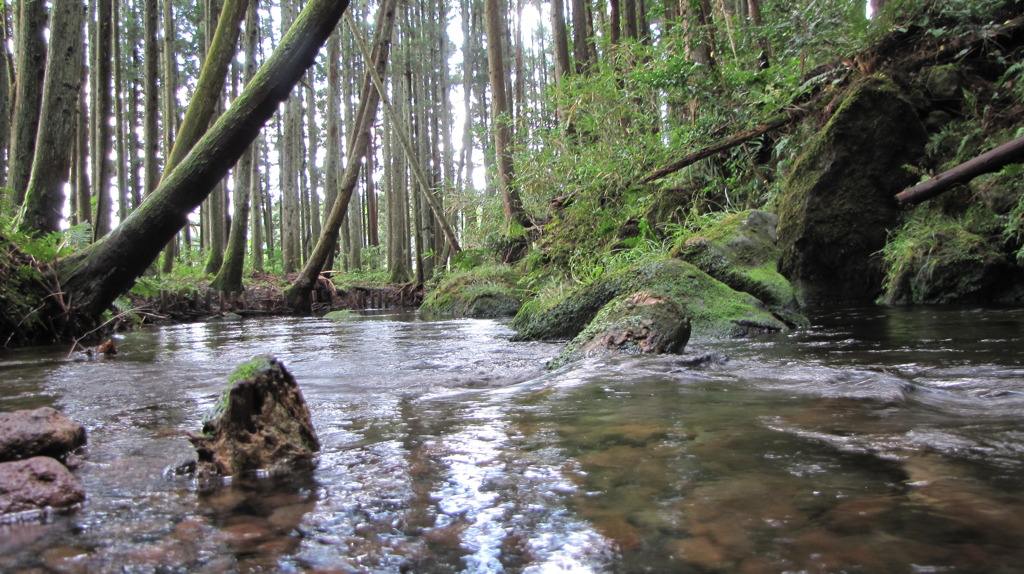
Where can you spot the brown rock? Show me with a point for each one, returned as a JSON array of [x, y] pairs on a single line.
[[260, 423], [37, 483], [39, 432]]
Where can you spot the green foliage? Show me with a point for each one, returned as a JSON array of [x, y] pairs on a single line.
[[931, 240]]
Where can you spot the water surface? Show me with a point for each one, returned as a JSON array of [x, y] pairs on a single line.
[[879, 440]]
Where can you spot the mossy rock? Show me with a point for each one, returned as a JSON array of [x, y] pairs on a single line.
[[741, 251], [641, 323], [260, 423], [714, 309], [1001, 191], [483, 292], [837, 206], [939, 259]]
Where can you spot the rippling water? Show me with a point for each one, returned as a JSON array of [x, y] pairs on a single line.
[[879, 440]]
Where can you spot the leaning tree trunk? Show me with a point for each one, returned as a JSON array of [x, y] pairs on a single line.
[[298, 295], [229, 276], [94, 277], [44, 200]]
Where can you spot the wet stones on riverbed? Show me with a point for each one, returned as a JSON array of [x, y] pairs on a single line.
[[39, 432], [37, 483], [31, 478], [260, 423]]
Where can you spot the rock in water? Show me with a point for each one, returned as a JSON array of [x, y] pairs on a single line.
[[39, 432], [261, 422], [641, 323], [37, 483]]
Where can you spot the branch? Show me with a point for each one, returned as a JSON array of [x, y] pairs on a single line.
[[1009, 152]]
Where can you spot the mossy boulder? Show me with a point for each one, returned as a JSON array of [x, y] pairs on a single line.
[[714, 309], [481, 293], [260, 423], [741, 251], [641, 323], [937, 259], [1001, 191], [838, 206]]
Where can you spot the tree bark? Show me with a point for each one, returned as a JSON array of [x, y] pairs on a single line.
[[501, 124], [102, 143], [94, 277], [28, 94], [297, 296], [44, 200], [1010, 152], [229, 276]]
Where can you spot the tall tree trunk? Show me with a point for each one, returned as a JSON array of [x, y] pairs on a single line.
[[101, 136], [500, 120], [94, 277], [83, 191], [5, 92], [120, 140], [332, 163], [28, 94], [581, 38], [151, 134], [297, 296], [170, 89], [44, 200], [229, 276]]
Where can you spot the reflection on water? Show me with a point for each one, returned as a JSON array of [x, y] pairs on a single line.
[[880, 440]]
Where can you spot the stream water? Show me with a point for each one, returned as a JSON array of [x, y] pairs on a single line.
[[879, 440]]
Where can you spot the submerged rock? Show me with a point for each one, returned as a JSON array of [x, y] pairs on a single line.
[[39, 432], [640, 323], [260, 423], [37, 483], [838, 204], [714, 310]]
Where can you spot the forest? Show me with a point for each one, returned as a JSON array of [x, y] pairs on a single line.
[[517, 150]]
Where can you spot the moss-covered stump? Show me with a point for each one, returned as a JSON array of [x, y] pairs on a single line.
[[741, 251], [260, 423], [641, 323], [714, 310], [482, 293], [838, 203]]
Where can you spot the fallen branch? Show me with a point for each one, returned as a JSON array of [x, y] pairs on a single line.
[[1010, 152]]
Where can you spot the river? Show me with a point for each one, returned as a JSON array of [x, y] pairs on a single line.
[[878, 440]]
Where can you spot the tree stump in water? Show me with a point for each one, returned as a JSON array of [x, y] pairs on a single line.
[[261, 422]]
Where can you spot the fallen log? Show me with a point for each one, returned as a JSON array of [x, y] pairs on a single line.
[[1009, 152]]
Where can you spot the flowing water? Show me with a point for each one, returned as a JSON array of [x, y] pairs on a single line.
[[878, 440]]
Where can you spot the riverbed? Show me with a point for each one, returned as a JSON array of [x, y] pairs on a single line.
[[878, 440]]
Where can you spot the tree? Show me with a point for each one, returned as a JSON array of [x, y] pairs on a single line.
[[298, 295], [94, 277], [44, 199], [28, 95], [102, 141], [229, 276], [501, 124]]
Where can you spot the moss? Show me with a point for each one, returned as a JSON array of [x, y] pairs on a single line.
[[484, 291], [644, 322], [340, 315], [938, 258], [838, 203], [715, 310]]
